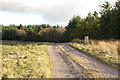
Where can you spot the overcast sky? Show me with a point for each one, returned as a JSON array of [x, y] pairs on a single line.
[[45, 11]]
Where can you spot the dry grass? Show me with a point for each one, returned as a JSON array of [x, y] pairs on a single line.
[[107, 51], [0, 60], [25, 60]]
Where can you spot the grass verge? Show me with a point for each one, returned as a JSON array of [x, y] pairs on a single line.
[[103, 51], [25, 60]]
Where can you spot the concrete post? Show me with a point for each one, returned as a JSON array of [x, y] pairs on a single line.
[[86, 40]]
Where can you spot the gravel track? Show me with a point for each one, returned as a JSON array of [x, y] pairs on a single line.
[[68, 63]]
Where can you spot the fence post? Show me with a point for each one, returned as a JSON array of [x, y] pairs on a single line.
[[86, 40]]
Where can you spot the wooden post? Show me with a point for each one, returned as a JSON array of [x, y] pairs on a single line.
[[86, 40]]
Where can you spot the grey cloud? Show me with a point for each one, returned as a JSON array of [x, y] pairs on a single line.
[[53, 14], [60, 12], [11, 6], [15, 6]]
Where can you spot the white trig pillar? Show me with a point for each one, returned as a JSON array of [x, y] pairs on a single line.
[[86, 40]]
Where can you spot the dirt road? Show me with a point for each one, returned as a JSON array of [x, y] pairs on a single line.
[[69, 63]]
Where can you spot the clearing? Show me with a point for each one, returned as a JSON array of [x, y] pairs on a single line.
[[55, 60]]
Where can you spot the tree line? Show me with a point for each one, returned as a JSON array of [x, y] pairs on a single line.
[[98, 25], [42, 32]]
